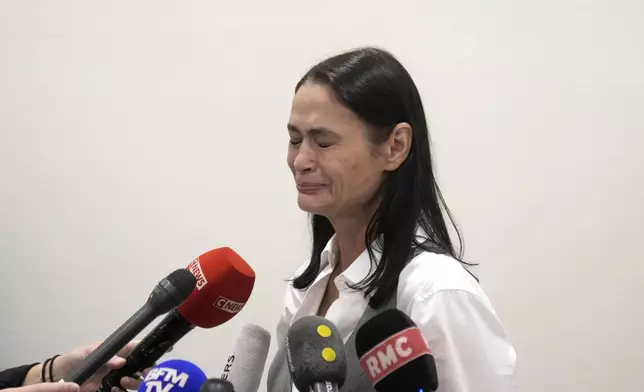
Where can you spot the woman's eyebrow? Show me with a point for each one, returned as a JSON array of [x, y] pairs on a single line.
[[314, 131]]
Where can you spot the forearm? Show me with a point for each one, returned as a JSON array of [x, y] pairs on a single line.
[[15, 377], [33, 375]]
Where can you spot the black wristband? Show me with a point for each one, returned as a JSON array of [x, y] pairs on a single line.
[[51, 368], [42, 371]]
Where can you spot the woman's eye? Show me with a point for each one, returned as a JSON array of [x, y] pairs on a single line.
[[294, 142], [324, 145]]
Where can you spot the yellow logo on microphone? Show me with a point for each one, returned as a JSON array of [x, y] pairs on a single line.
[[324, 331], [328, 354]]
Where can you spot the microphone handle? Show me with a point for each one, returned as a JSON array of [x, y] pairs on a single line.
[[217, 385], [172, 328], [113, 344], [324, 387]]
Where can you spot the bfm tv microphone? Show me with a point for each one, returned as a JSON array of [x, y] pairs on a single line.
[[224, 284], [217, 385], [167, 294], [315, 355], [244, 368], [394, 354], [175, 375]]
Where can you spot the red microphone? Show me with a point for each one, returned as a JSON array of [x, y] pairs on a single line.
[[224, 284], [394, 354]]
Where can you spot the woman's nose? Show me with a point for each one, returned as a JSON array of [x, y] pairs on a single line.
[[305, 158]]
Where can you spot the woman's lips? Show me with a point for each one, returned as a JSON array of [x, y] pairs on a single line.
[[309, 188]]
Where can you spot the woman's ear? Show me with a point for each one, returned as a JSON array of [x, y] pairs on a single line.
[[398, 146]]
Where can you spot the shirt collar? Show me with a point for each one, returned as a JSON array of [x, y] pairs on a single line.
[[361, 267], [358, 270]]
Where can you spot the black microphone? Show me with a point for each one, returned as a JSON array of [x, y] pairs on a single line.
[[166, 295], [394, 354], [217, 385], [315, 355], [224, 283], [161, 339]]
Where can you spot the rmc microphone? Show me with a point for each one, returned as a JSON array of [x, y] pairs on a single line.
[[167, 294], [224, 284], [394, 354], [244, 368], [315, 355]]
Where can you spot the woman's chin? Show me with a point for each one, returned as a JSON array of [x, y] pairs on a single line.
[[307, 203]]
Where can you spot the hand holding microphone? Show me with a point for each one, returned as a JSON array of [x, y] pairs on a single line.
[[46, 376], [167, 294], [224, 284], [69, 361]]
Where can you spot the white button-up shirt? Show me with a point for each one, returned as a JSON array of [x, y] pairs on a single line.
[[472, 350]]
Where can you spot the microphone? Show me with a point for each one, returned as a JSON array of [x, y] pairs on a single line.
[[315, 355], [175, 375], [224, 284], [394, 354], [217, 385], [244, 368], [166, 295]]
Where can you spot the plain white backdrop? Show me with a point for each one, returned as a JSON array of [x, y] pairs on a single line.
[[135, 136]]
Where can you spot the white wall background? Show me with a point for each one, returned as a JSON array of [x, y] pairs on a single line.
[[137, 135]]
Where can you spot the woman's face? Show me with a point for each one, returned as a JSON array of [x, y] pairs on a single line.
[[337, 171]]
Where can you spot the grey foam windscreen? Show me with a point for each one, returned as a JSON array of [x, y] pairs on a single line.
[[244, 368], [315, 353]]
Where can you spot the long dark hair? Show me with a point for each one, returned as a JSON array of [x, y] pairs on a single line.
[[376, 86]]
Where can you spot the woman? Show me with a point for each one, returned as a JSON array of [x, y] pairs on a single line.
[[359, 152]]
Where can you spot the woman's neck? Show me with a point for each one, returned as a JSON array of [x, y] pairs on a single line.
[[349, 239]]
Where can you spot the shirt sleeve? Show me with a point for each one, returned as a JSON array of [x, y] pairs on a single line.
[[472, 350], [14, 377]]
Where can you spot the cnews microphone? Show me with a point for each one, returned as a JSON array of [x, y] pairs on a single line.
[[394, 354], [217, 385], [244, 368], [175, 375], [224, 284], [315, 355], [167, 294]]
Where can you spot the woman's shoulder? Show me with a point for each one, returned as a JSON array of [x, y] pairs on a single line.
[[296, 294], [428, 273], [300, 269]]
